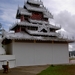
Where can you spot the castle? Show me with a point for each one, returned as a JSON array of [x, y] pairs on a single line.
[[35, 41]]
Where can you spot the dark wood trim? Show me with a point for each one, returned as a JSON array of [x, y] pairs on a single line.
[[6, 41], [39, 41]]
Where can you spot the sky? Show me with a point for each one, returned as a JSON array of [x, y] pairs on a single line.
[[62, 10]]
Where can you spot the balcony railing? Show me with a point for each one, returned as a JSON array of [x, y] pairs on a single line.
[[42, 33], [38, 21]]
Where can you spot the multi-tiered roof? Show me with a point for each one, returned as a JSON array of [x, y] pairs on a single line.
[[34, 24]]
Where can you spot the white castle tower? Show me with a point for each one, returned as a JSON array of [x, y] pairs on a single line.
[[35, 40]]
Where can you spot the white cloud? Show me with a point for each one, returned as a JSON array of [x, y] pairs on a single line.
[[70, 47], [8, 15], [67, 22], [55, 6]]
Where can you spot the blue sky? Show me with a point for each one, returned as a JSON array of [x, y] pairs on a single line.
[[8, 10], [63, 11]]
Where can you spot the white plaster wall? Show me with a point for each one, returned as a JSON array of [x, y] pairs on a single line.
[[2, 51], [40, 53], [60, 54]]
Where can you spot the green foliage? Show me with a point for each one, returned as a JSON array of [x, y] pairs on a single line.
[[59, 70]]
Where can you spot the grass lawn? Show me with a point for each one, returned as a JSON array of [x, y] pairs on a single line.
[[59, 70]]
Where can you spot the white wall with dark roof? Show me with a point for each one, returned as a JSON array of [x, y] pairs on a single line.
[[40, 53]]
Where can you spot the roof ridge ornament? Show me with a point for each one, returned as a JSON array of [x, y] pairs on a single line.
[[43, 26]]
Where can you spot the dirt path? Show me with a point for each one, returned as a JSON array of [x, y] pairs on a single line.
[[26, 70]]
